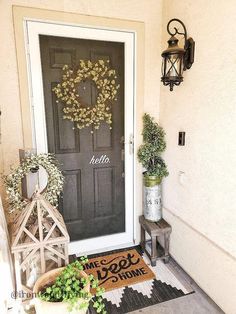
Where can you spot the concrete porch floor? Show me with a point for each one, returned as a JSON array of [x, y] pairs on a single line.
[[196, 303]]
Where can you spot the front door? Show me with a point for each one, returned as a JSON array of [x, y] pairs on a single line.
[[97, 202], [93, 202]]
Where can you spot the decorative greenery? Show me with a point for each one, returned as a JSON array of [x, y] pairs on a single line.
[[70, 287], [54, 185], [67, 93], [154, 144]]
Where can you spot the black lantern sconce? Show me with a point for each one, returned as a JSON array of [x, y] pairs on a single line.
[[176, 59]]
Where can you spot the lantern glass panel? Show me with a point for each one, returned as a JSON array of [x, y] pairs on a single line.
[[163, 67], [174, 66]]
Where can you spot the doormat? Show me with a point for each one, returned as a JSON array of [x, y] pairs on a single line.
[[118, 270], [170, 283]]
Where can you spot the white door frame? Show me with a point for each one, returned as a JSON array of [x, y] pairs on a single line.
[[32, 30]]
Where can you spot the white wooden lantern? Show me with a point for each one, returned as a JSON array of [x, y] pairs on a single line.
[[39, 241]]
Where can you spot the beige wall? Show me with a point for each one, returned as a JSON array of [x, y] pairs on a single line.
[[202, 209]]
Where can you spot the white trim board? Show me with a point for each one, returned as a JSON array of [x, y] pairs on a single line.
[[39, 137]]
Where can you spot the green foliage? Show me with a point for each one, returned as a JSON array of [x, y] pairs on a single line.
[[54, 185], [69, 287], [153, 145]]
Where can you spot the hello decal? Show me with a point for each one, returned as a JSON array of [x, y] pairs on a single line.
[[104, 159]]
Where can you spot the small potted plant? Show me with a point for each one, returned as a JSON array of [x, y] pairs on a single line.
[[149, 156], [66, 290]]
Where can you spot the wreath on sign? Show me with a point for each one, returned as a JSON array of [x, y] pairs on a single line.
[[84, 115], [29, 164]]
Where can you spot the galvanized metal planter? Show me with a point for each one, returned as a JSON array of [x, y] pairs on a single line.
[[152, 198]]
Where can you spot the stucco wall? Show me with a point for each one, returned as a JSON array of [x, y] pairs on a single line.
[[202, 209]]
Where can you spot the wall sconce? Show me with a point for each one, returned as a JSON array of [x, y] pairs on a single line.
[[176, 59]]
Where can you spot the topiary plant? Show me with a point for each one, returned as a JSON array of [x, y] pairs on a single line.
[[69, 287], [154, 144]]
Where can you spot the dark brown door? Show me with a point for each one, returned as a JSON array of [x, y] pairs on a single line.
[[93, 202]]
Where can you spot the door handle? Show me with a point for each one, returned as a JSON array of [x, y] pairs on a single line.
[[130, 143]]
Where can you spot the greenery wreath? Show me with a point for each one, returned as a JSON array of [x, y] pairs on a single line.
[[66, 92], [54, 185]]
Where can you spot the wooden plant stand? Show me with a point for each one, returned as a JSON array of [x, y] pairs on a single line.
[[155, 230]]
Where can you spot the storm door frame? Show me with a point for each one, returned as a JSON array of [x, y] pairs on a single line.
[[34, 28]]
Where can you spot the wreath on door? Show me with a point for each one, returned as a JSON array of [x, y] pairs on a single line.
[[81, 114]]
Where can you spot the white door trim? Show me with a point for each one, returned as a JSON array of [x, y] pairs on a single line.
[[32, 31]]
